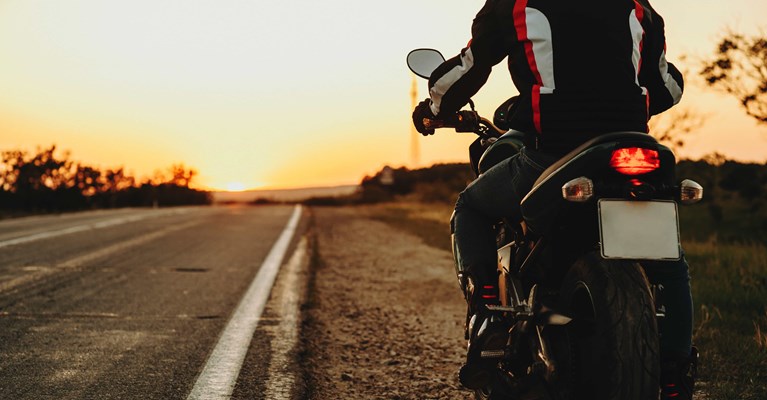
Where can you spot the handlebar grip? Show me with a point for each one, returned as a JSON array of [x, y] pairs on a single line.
[[434, 123]]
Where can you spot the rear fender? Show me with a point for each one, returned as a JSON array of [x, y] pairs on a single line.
[[544, 206]]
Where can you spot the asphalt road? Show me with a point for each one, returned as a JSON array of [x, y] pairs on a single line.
[[129, 304]]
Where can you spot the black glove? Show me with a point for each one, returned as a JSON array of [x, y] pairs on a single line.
[[423, 110]]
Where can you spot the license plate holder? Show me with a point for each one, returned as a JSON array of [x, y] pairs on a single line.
[[639, 230]]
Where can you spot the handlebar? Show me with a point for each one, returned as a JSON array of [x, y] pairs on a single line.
[[466, 121]]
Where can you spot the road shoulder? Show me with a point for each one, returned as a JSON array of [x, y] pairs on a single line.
[[385, 317]]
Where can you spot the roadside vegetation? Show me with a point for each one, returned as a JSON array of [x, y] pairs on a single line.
[[724, 236], [46, 181]]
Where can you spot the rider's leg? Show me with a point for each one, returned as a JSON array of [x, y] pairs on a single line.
[[676, 327], [494, 195]]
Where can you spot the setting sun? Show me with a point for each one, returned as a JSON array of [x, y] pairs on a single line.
[[235, 187]]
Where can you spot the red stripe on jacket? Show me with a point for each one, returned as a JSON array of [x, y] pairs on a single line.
[[640, 16], [520, 24]]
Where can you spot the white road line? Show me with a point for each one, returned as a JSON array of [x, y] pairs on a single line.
[[86, 227], [281, 377], [218, 377]]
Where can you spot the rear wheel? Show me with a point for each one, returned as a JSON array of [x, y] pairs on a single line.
[[613, 336]]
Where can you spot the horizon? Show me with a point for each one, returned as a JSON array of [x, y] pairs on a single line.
[[311, 185], [144, 85]]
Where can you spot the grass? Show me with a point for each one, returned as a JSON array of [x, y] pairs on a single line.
[[729, 284]]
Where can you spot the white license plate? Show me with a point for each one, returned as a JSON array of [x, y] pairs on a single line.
[[642, 230]]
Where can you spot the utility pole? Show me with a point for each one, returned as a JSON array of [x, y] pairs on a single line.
[[415, 150]]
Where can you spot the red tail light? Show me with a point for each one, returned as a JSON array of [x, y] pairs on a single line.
[[634, 160]]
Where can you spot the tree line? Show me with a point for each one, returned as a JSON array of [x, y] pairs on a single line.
[[44, 181]]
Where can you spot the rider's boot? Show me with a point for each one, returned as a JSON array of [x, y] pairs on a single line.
[[677, 377], [486, 332]]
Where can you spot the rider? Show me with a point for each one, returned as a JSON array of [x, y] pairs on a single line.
[[582, 68]]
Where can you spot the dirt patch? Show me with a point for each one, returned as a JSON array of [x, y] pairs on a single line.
[[385, 317]]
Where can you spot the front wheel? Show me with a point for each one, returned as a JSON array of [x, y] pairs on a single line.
[[613, 337]]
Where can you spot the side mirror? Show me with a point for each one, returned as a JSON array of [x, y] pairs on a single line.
[[424, 61]]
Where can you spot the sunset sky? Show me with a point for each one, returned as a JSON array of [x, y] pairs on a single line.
[[280, 94]]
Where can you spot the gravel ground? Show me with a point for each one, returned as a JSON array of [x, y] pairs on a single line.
[[385, 316]]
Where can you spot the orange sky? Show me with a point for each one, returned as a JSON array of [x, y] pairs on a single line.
[[266, 94]]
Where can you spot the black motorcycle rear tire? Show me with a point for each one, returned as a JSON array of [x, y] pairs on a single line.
[[613, 336]]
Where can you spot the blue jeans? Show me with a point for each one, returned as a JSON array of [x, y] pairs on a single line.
[[497, 194]]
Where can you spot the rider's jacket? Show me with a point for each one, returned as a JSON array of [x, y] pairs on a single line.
[[582, 67]]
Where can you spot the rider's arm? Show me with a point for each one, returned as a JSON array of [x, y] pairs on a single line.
[[662, 79], [454, 82]]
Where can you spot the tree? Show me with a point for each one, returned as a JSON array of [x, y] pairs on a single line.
[[116, 180], [181, 175], [87, 180], [739, 68], [45, 181], [12, 160], [43, 171]]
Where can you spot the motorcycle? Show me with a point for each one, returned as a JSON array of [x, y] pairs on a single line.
[[581, 313]]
